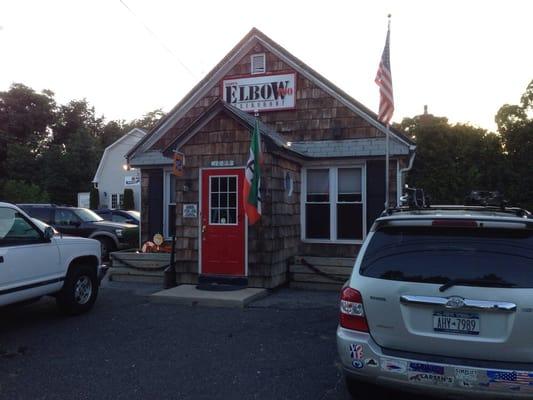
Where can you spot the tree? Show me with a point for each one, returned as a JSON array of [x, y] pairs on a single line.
[[452, 160], [23, 192], [129, 202], [25, 120], [516, 130], [94, 198]]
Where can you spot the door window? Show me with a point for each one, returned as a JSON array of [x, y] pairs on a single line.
[[223, 200], [15, 229], [66, 217]]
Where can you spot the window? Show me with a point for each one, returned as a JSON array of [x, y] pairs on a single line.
[[333, 204], [15, 229], [478, 257], [121, 200], [42, 213], [258, 64], [223, 200], [114, 201], [66, 217], [169, 200], [349, 204]]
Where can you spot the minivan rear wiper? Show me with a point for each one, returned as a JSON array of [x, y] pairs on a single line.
[[475, 282]]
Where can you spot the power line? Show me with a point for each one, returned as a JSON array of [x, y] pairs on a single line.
[[151, 32]]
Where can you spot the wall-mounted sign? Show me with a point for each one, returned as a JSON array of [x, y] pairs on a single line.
[[131, 180], [267, 92], [223, 163], [178, 163], [190, 211]]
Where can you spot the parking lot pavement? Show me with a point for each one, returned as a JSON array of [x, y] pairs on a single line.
[[282, 347]]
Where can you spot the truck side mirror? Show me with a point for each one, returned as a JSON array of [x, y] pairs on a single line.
[[48, 233]]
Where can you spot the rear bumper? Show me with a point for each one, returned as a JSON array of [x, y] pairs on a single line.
[[364, 360]]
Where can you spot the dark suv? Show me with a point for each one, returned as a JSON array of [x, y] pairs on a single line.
[[86, 223]]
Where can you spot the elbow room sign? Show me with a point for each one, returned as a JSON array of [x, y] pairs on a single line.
[[262, 93]]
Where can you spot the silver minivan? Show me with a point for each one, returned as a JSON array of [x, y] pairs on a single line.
[[440, 302]]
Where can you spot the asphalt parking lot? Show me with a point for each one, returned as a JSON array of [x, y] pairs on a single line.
[[281, 347]]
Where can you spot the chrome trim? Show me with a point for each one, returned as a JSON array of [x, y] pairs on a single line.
[[476, 305]]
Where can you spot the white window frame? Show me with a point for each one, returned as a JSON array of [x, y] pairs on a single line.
[[236, 199], [252, 63], [167, 173], [333, 201], [115, 195]]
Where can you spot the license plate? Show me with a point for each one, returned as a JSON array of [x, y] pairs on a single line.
[[452, 322]]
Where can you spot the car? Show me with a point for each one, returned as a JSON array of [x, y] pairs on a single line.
[[76, 221], [34, 263], [125, 216], [440, 301]]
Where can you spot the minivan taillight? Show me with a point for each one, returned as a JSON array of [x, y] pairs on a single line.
[[352, 313]]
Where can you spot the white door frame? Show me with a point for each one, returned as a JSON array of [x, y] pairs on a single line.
[[239, 196]]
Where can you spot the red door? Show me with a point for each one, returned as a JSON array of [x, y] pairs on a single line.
[[222, 222]]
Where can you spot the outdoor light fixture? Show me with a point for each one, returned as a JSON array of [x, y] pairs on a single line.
[[126, 167]]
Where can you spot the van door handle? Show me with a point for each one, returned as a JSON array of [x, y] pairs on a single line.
[[1, 259]]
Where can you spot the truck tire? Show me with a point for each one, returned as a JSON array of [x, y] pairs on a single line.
[[107, 245], [79, 290]]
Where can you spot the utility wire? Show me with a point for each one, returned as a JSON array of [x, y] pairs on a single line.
[[151, 32]]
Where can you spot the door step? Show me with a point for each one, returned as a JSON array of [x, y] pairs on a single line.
[[221, 283]]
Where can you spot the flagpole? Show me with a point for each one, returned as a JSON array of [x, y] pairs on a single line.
[[387, 150], [387, 167]]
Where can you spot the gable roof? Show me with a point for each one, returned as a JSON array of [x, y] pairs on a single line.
[[137, 132], [247, 120], [232, 58]]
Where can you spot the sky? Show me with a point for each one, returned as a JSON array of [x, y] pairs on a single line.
[[464, 59]]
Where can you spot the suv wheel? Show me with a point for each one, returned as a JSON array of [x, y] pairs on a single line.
[[107, 245], [79, 291]]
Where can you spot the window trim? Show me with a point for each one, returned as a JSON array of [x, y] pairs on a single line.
[[167, 173], [236, 199], [333, 202], [263, 55]]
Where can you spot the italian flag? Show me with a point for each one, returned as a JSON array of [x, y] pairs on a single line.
[[252, 179]]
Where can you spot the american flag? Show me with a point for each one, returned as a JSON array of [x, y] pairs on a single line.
[[516, 377], [384, 81]]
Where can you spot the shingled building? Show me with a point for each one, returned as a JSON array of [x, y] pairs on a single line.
[[323, 169]]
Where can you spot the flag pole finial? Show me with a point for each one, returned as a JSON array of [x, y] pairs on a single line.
[[389, 16]]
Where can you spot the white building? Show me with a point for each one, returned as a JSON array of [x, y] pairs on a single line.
[[113, 174]]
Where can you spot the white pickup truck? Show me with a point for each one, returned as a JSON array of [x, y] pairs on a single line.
[[35, 262]]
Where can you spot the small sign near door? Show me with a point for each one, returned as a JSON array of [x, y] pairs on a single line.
[[190, 211]]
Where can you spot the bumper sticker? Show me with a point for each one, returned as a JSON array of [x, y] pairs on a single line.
[[356, 351], [370, 362], [429, 368], [510, 378], [395, 366], [428, 378], [466, 374]]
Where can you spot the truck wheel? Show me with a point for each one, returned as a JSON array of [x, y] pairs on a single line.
[[79, 290], [107, 246]]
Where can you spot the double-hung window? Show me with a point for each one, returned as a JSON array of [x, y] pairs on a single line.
[[333, 204]]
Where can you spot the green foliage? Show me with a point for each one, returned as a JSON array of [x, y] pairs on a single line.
[[94, 198], [516, 129], [452, 160], [15, 191], [129, 202]]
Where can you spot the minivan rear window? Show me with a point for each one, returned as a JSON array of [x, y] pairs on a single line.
[[475, 257]]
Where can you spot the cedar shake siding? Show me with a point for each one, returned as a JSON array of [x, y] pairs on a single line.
[[325, 130]]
